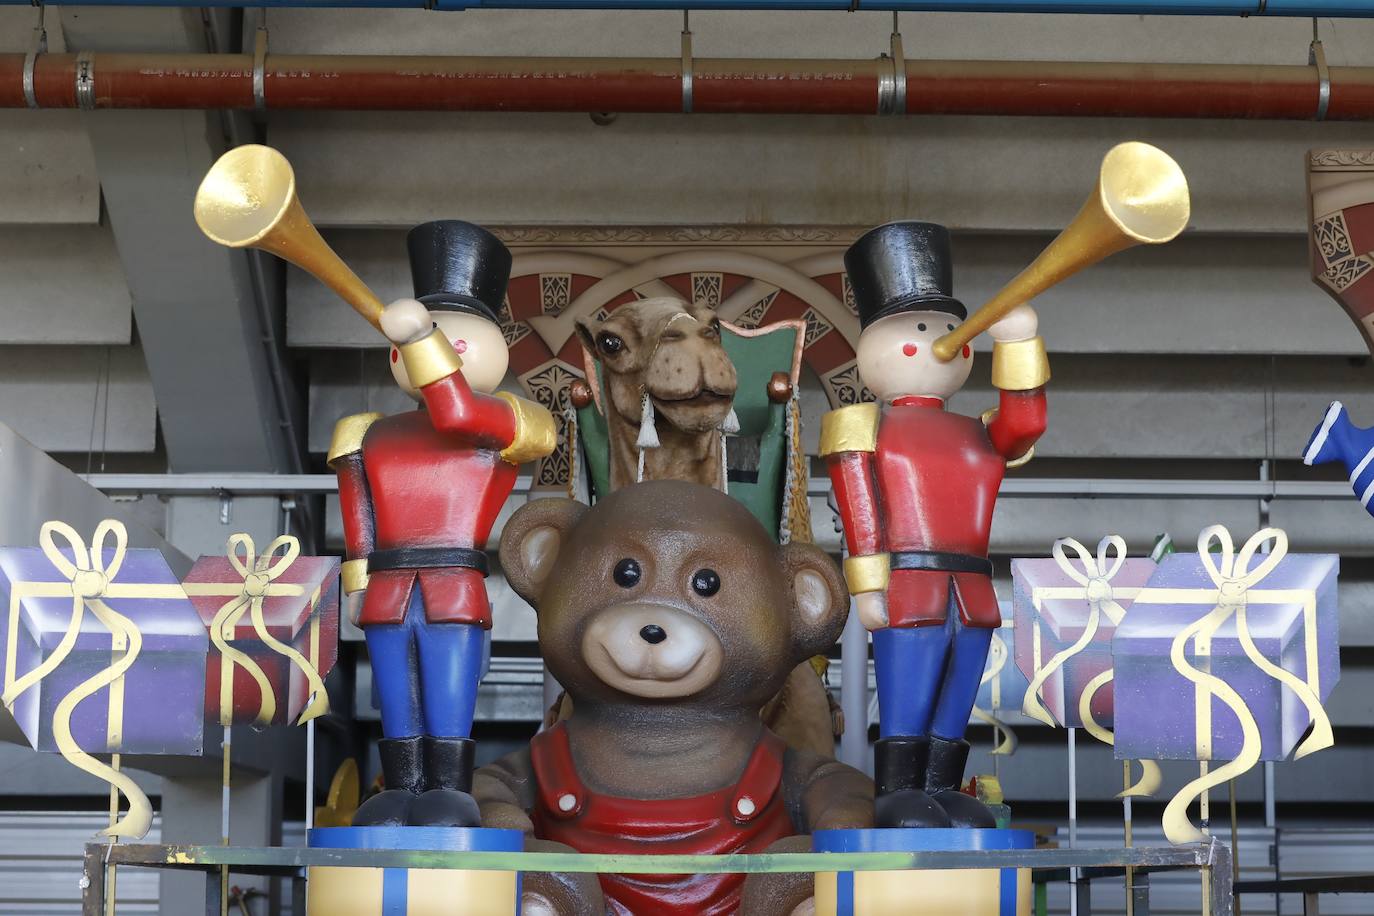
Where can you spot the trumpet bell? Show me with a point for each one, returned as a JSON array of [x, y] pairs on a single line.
[[245, 195], [1143, 191], [248, 200]]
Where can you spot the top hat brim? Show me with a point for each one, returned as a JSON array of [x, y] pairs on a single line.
[[448, 302], [947, 304]]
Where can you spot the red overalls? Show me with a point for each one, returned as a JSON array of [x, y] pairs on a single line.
[[744, 818]]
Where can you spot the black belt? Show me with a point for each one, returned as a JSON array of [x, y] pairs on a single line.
[[428, 558], [941, 561]]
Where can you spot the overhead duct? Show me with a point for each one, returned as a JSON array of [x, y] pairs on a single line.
[[762, 86], [1301, 8]]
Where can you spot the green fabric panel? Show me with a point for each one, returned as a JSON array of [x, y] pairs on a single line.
[[756, 359]]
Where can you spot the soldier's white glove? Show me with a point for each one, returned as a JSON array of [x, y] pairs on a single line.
[[872, 608], [354, 604], [406, 321], [1021, 323]]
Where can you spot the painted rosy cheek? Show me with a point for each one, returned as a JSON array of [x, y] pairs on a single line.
[[909, 349], [395, 354], [460, 346], [967, 351]]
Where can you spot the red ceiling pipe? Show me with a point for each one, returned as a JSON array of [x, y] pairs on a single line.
[[761, 86]]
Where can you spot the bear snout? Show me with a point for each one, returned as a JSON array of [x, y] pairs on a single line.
[[652, 650]]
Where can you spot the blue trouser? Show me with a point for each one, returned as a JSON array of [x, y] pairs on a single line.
[[426, 674], [928, 677]]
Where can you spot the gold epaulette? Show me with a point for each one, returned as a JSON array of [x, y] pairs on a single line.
[[353, 575], [536, 434], [348, 435], [429, 359], [1020, 365], [850, 429]]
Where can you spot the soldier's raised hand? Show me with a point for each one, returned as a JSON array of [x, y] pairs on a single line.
[[405, 321], [872, 609], [1021, 323]]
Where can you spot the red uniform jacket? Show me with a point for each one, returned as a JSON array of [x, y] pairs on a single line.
[[930, 485], [744, 818], [428, 478]]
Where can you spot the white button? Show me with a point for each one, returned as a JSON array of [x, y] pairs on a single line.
[[568, 801], [745, 806]]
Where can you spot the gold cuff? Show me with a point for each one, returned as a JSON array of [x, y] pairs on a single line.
[[536, 435], [429, 359], [1020, 365], [348, 435], [867, 573], [353, 576], [850, 429]]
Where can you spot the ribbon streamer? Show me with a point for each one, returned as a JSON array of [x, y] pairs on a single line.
[[259, 574], [1235, 588], [89, 581], [997, 660], [1097, 590], [1151, 778]]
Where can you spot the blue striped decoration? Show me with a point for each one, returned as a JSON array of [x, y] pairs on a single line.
[[916, 840], [394, 892]]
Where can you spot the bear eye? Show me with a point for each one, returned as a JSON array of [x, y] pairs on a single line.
[[609, 343], [627, 573], [705, 582]]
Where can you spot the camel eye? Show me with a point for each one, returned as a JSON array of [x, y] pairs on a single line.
[[626, 573], [712, 330], [609, 343]]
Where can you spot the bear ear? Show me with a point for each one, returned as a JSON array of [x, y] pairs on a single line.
[[531, 541], [820, 601], [586, 331]]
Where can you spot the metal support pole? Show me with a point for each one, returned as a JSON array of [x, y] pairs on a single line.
[[1073, 820], [854, 693], [1140, 895], [93, 881]]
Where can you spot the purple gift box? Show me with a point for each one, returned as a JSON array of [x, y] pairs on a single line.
[[1291, 617], [164, 689], [1051, 612]]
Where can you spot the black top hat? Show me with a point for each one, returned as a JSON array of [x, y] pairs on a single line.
[[458, 267], [902, 267]]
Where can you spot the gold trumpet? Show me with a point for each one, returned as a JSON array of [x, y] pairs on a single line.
[[1141, 199], [248, 200]]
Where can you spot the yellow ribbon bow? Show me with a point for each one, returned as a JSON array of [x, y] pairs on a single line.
[[259, 575], [1235, 588], [89, 581]]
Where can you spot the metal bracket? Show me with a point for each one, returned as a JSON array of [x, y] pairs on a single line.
[[686, 64], [85, 81], [892, 86], [40, 46], [1316, 56], [260, 69]]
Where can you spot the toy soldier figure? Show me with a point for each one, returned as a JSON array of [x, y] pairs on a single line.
[[915, 486], [420, 492]]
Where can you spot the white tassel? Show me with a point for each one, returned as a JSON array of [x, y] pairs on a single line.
[[648, 433], [730, 425]]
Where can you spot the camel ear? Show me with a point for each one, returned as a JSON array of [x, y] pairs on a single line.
[[586, 332], [820, 601], [532, 540]]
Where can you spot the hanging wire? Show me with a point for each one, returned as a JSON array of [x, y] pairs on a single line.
[[105, 418], [102, 385]]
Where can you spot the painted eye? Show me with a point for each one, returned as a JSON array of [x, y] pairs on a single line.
[[610, 344], [950, 326], [921, 326], [627, 573], [705, 582]]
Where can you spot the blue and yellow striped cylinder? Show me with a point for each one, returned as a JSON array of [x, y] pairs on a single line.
[[413, 891], [941, 892]]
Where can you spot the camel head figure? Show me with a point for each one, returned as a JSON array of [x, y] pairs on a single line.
[[669, 388]]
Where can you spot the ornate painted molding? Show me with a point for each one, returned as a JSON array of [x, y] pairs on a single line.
[[1340, 212], [1335, 159], [576, 236]]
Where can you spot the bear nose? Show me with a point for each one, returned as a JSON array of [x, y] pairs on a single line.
[[653, 634]]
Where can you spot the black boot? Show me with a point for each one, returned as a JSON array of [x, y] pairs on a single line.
[[403, 775], [899, 772], [945, 775], [447, 801]]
